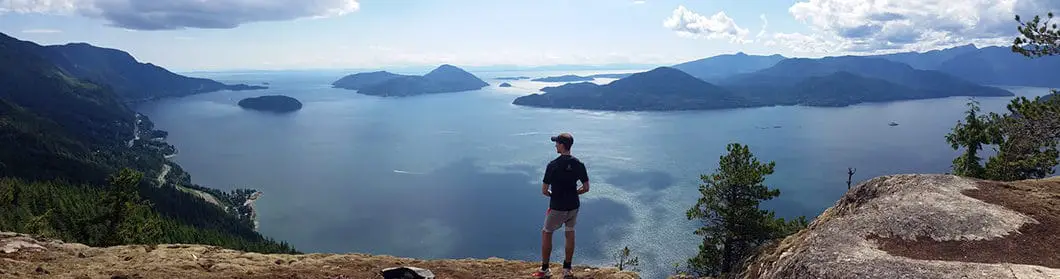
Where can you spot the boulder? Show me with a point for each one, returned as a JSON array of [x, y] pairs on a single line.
[[407, 272]]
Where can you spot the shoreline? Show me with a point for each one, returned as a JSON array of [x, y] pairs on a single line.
[[232, 209]]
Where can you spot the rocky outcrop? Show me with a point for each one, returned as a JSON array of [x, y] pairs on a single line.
[[23, 256], [926, 226]]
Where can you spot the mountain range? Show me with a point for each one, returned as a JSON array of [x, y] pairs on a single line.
[[570, 78], [62, 137], [444, 79], [929, 60], [989, 65], [802, 81], [713, 69], [129, 78], [748, 80], [986, 66], [662, 88]]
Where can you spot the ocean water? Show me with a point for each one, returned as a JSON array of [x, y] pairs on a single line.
[[458, 175]]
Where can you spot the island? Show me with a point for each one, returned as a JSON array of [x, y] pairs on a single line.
[[849, 80], [661, 89], [622, 75], [444, 79], [573, 78], [272, 103], [826, 82], [506, 84], [360, 80], [513, 78], [242, 87], [563, 78]]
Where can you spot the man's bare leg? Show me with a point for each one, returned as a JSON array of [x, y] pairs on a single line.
[[568, 248], [546, 248]]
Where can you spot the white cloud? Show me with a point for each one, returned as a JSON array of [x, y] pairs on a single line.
[[639, 1], [41, 31], [765, 24], [873, 26], [718, 26], [39, 6], [803, 43], [179, 14]]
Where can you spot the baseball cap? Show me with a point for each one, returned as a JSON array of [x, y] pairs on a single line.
[[564, 138]]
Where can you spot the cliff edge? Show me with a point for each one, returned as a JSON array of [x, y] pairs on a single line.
[[23, 256], [926, 226]]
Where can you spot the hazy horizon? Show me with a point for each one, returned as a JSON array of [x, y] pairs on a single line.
[[189, 35]]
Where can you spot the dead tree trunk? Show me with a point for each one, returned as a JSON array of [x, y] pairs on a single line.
[[850, 174]]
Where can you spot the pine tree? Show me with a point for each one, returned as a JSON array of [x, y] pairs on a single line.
[[971, 134], [733, 223], [1037, 38], [122, 200], [42, 225], [1028, 135], [1027, 141], [16, 193]]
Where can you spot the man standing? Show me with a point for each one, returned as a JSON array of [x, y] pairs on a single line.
[[562, 174]]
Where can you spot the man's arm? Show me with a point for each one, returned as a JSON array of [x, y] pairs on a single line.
[[546, 181], [584, 177]]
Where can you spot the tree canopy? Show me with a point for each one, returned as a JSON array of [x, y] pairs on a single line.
[[733, 223]]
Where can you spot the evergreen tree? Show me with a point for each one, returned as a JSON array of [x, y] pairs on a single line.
[[16, 192], [41, 225], [1037, 38], [79, 214], [733, 224], [1028, 135], [129, 220], [971, 134], [1027, 141]]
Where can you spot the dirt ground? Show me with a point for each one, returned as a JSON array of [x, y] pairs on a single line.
[[1033, 244], [926, 226], [38, 258]]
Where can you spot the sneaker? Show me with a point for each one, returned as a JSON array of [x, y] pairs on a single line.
[[568, 273], [542, 274]]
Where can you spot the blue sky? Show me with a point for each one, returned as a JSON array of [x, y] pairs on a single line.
[[316, 34]]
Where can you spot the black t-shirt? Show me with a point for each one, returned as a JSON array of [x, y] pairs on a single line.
[[563, 174]]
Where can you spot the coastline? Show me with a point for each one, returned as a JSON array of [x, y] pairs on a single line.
[[231, 207], [238, 203]]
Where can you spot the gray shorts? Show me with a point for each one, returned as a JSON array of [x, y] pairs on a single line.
[[556, 218]]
